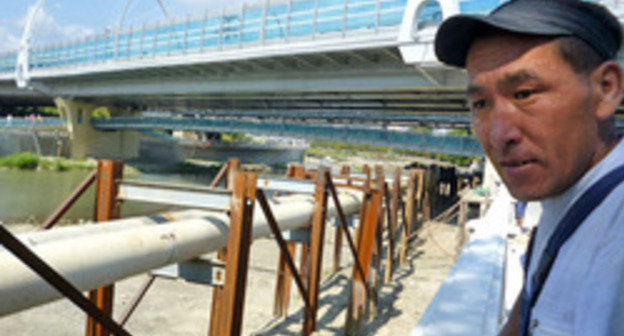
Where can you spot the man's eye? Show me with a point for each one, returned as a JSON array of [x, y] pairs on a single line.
[[477, 104], [523, 94]]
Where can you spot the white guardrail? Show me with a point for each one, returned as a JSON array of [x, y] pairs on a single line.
[[471, 300]]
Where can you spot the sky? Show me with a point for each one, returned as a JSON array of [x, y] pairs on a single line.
[[61, 20]]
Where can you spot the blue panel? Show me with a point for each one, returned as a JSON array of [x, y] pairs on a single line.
[[449, 144], [7, 62], [251, 25], [283, 20], [275, 26], [430, 14]]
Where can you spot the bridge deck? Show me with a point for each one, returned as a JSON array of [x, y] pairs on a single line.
[[275, 22]]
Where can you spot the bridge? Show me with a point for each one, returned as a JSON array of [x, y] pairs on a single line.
[[315, 56]]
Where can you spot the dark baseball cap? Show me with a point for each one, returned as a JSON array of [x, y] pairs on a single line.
[[590, 22]]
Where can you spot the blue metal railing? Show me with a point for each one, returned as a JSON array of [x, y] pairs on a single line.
[[426, 142], [30, 123], [420, 118], [252, 25], [8, 61]]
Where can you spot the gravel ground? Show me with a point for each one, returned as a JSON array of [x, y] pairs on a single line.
[[175, 307]]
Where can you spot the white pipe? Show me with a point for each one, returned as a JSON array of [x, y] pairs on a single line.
[[101, 255], [72, 232]]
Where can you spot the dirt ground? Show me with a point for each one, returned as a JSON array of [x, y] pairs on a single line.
[[176, 307]]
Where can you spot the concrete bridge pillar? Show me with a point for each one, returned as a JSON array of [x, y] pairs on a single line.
[[89, 142]]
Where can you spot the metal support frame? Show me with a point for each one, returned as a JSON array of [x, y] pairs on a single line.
[[69, 202], [337, 246], [310, 292], [239, 243], [106, 208], [344, 173], [427, 194], [319, 217], [284, 246], [228, 300], [125, 316], [232, 167], [282, 285], [393, 220], [284, 274], [375, 278], [410, 214], [345, 228], [220, 175], [358, 307]]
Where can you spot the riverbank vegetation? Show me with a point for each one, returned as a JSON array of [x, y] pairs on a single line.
[[31, 161], [341, 150]]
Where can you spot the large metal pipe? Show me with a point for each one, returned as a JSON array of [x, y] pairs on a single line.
[[95, 255]]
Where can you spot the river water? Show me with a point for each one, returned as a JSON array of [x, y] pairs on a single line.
[[31, 196]]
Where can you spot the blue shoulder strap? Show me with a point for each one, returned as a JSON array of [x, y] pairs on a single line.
[[571, 221]]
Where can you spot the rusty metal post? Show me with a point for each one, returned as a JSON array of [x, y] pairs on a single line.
[[220, 175], [233, 166], [304, 264], [239, 243], [367, 190], [337, 247], [428, 194], [392, 226], [410, 216], [420, 194], [106, 208], [344, 172], [434, 198], [317, 238], [284, 275], [375, 277], [304, 261], [215, 327], [367, 232], [283, 283]]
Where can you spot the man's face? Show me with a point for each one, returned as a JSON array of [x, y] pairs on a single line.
[[534, 116]]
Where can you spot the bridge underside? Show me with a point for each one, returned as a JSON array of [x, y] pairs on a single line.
[[363, 80]]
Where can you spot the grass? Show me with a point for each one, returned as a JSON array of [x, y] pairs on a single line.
[[31, 161], [23, 160]]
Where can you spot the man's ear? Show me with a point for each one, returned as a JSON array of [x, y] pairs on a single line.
[[608, 85]]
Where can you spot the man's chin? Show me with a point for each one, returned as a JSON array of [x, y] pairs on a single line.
[[526, 193]]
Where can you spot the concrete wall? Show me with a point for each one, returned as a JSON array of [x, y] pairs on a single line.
[[88, 142], [49, 142]]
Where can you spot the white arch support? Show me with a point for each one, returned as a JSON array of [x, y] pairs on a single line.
[[22, 76], [416, 46]]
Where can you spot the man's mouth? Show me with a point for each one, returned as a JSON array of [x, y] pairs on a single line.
[[517, 163]]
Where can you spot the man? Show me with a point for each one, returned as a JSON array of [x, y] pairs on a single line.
[[543, 87]]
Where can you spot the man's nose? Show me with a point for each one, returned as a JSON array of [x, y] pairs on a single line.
[[504, 131]]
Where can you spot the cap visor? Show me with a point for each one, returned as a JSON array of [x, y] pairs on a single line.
[[455, 36]]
